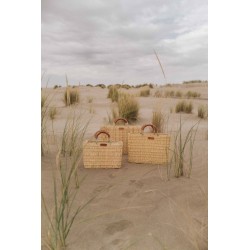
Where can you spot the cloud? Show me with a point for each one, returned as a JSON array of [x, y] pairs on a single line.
[[111, 41]]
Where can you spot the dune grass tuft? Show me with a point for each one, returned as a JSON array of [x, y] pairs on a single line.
[[128, 107], [113, 93], [44, 118], [71, 96], [145, 92], [184, 107], [178, 94], [169, 93], [159, 119], [203, 111], [181, 143], [52, 113], [192, 94], [65, 208]]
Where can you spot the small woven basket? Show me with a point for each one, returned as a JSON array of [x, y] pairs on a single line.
[[152, 148], [120, 132], [102, 154]]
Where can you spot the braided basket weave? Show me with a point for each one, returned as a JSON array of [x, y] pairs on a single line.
[[152, 148], [120, 132], [102, 154]]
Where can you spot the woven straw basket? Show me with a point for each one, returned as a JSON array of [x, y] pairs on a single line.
[[102, 154], [120, 132], [150, 148]]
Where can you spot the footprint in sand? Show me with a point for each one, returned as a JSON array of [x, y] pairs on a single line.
[[128, 194], [118, 226], [138, 184]]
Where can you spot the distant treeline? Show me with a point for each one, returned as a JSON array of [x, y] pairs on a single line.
[[128, 86], [124, 86], [195, 81]]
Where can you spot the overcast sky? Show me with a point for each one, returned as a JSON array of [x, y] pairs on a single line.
[[113, 41]]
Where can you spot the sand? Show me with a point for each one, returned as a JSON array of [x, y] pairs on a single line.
[[136, 207]]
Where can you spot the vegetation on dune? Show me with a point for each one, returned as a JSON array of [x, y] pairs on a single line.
[[113, 93], [203, 111], [65, 207], [183, 106], [128, 107], [145, 92], [192, 94], [71, 96]]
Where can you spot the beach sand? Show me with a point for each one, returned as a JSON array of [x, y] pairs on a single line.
[[136, 207]]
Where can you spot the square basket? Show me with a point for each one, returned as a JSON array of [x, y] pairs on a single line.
[[102, 154], [152, 148], [120, 132]]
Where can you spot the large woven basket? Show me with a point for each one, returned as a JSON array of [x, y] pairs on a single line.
[[150, 148], [102, 154], [120, 132]]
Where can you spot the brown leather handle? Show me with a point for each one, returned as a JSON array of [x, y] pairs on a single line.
[[101, 132], [149, 125], [120, 119]]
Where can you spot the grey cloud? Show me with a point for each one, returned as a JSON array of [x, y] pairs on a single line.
[[111, 41]]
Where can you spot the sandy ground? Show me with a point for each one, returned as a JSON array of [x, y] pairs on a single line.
[[136, 207]]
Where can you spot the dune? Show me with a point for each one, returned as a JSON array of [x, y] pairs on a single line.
[[139, 206]]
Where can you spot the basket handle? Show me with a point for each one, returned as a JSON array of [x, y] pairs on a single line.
[[149, 125], [120, 119], [101, 132]]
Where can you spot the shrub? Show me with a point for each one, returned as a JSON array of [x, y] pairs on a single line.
[[113, 94], [128, 107], [151, 86], [203, 111], [56, 86], [184, 107], [89, 85], [71, 96], [101, 86], [125, 86], [145, 92]]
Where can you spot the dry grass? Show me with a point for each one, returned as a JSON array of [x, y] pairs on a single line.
[[128, 107], [178, 94], [52, 113], [159, 119], [145, 92], [169, 93], [192, 94], [184, 107], [182, 142], [113, 93], [71, 96], [65, 211], [203, 111]]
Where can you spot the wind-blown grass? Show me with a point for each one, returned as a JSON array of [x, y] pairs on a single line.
[[128, 107], [145, 92], [203, 111], [65, 211], [113, 93], [181, 142], [71, 96], [159, 119], [184, 107], [192, 94]]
